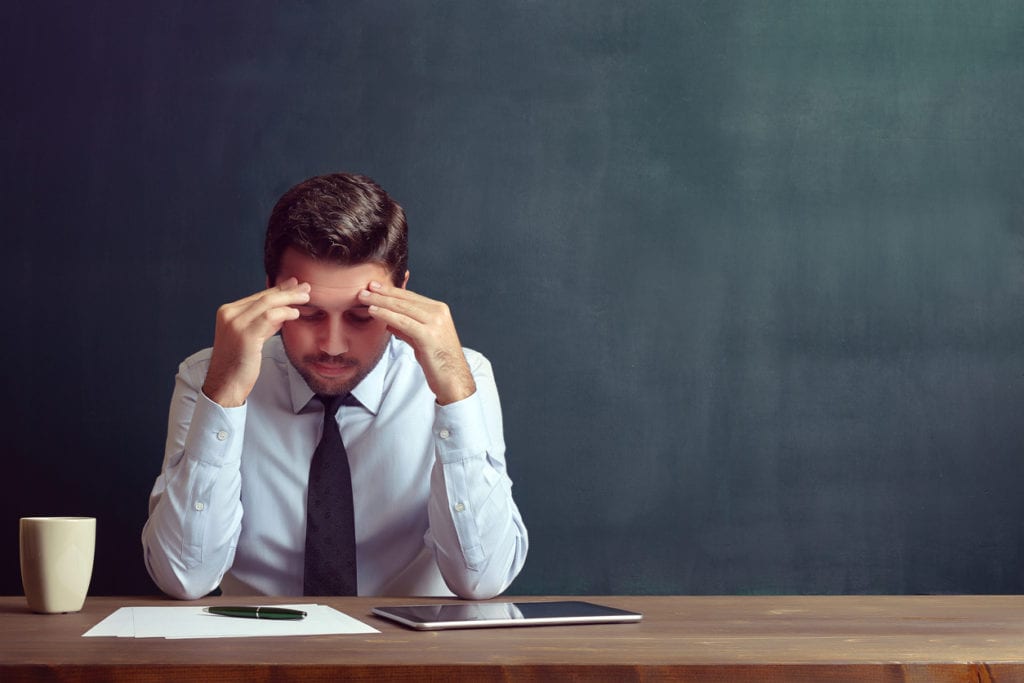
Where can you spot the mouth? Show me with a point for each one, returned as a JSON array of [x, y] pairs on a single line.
[[333, 369]]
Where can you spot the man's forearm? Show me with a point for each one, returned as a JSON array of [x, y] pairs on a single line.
[[195, 508], [480, 540]]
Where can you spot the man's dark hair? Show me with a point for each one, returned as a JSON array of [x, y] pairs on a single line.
[[338, 218]]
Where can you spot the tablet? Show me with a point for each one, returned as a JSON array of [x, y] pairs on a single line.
[[490, 614]]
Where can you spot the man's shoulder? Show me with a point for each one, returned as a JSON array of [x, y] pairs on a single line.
[[198, 360], [476, 360]]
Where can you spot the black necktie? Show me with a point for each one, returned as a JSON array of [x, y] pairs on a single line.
[[330, 521]]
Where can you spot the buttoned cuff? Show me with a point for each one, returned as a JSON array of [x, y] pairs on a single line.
[[460, 430], [215, 433]]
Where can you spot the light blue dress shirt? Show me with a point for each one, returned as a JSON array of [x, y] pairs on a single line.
[[433, 503]]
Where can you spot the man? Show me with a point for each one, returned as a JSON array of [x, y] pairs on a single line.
[[421, 425]]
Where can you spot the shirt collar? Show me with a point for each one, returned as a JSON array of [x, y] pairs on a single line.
[[369, 392]]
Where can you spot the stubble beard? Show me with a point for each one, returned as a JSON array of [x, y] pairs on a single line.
[[325, 387]]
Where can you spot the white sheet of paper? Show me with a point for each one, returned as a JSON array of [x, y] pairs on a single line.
[[119, 624], [193, 622]]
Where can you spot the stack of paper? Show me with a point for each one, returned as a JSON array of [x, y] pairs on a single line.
[[193, 622]]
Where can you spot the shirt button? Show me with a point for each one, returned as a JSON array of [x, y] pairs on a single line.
[[459, 507], [200, 506], [222, 435], [444, 433]]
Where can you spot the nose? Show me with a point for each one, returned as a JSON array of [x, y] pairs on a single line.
[[333, 337]]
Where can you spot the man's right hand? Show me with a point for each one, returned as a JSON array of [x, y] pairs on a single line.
[[242, 328]]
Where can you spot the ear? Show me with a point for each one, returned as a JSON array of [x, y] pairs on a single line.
[[405, 280]]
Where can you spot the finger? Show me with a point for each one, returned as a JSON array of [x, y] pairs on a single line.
[[415, 306], [285, 285], [399, 323], [274, 319], [276, 297], [387, 290], [405, 309], [261, 327], [292, 296]]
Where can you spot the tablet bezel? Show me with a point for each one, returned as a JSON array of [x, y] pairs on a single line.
[[566, 612]]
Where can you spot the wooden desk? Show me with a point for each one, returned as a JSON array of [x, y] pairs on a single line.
[[890, 638]]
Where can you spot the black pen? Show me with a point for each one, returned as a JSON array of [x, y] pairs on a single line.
[[257, 612]]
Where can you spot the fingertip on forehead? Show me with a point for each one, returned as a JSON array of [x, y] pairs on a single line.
[[332, 282]]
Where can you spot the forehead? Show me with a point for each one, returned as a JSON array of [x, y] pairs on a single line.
[[330, 284]]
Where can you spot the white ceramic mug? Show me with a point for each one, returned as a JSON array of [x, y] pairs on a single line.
[[56, 561]]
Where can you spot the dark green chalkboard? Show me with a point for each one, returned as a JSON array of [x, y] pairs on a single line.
[[750, 273]]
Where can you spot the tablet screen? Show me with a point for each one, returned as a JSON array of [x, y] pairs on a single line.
[[484, 614]]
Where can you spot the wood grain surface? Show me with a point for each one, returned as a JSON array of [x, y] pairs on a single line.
[[734, 638]]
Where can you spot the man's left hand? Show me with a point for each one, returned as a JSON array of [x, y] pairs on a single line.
[[427, 326]]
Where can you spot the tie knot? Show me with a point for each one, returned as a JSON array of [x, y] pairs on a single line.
[[332, 403]]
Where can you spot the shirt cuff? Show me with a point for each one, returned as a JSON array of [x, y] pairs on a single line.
[[215, 433], [460, 430]]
